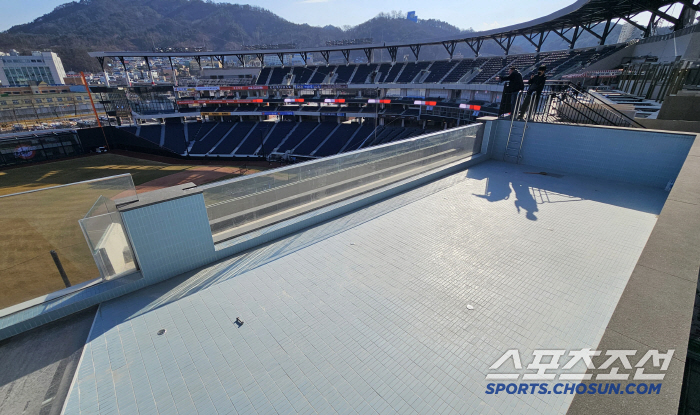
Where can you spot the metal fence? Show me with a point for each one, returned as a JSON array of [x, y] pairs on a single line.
[[562, 102], [243, 204]]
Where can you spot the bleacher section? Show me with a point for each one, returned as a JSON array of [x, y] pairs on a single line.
[[300, 132], [198, 130], [438, 70], [301, 74], [463, 68], [309, 144], [262, 78], [252, 142], [242, 139], [278, 75], [234, 138], [344, 73], [411, 70], [362, 135], [175, 138], [321, 74], [393, 72], [490, 67], [382, 73], [338, 140], [207, 142], [444, 72], [276, 136], [151, 133], [362, 73]]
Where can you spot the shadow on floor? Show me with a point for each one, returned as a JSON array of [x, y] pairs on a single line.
[[532, 186]]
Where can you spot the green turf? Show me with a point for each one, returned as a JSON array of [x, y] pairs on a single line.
[[33, 224]]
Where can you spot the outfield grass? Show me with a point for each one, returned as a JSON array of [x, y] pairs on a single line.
[[33, 224]]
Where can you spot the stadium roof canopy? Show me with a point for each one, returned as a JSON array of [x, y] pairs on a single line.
[[568, 23]]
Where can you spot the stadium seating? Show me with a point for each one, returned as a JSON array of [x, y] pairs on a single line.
[[344, 74], [382, 73], [309, 144], [208, 141], [464, 67], [262, 78], [252, 142], [151, 133], [198, 130], [277, 76], [393, 73], [362, 135], [438, 70], [278, 133], [489, 68], [410, 71], [175, 138], [321, 74], [234, 138], [362, 73], [338, 140], [300, 132], [302, 74]]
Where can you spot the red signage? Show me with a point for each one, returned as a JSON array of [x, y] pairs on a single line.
[[243, 88], [220, 101]]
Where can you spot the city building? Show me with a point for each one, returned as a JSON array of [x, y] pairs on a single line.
[[38, 67]]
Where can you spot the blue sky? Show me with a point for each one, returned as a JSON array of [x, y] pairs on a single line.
[[461, 13]]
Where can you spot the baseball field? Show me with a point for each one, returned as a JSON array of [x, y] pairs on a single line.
[[33, 224]]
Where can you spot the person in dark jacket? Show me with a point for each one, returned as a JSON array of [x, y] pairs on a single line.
[[513, 87], [534, 87]]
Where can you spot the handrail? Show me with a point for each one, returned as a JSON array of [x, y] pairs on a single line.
[[612, 109]]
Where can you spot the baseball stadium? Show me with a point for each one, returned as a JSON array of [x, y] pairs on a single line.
[[353, 228]]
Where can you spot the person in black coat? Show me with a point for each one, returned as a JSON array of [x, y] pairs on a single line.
[[513, 87], [534, 87]]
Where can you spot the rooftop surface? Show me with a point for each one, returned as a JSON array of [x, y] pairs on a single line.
[[398, 307]]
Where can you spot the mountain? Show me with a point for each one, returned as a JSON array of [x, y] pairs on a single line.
[[73, 29]]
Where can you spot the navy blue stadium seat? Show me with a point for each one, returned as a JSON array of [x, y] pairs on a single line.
[[438, 70], [302, 130], [234, 138], [206, 143], [175, 138], [338, 140], [312, 141], [278, 134], [360, 137], [151, 133], [363, 71], [262, 78]]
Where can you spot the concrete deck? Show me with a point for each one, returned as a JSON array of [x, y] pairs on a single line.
[[368, 313]]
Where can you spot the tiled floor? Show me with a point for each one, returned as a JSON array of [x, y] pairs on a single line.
[[368, 313]]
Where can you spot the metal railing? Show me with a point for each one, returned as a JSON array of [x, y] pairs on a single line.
[[562, 102]]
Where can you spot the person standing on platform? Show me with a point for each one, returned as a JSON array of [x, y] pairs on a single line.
[[513, 87], [535, 86]]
